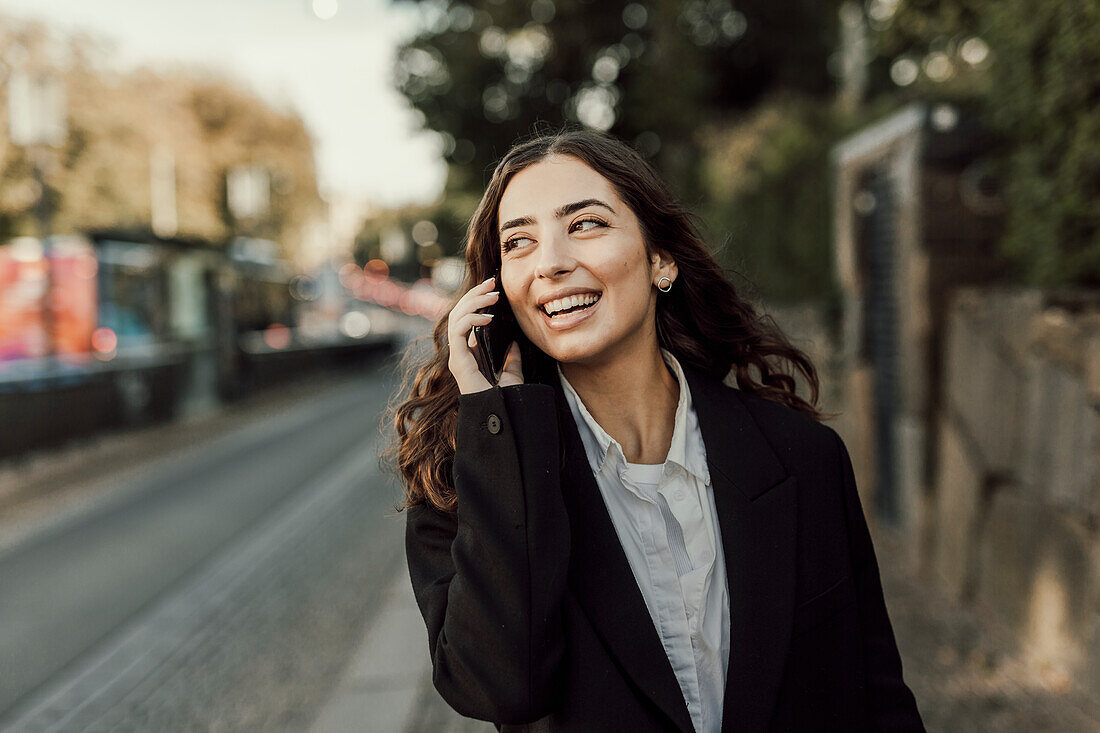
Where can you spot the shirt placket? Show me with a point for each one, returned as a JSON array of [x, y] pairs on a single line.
[[686, 511], [663, 575]]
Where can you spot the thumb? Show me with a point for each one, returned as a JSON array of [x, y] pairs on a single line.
[[513, 366]]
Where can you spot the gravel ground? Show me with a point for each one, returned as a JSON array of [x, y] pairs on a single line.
[[963, 670]]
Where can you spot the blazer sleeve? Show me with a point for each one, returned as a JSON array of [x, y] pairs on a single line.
[[489, 578], [890, 703]]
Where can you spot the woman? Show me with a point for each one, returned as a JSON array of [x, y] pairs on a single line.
[[611, 538]]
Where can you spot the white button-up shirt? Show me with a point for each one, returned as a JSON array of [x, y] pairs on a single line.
[[665, 518]]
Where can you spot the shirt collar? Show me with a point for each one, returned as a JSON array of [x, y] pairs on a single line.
[[686, 451]]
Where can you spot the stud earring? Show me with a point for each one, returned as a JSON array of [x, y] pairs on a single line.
[[667, 287]]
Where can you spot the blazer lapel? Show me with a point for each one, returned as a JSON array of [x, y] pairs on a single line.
[[755, 499], [603, 582]]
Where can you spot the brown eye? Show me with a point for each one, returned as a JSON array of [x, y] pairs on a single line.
[[581, 225], [512, 243]]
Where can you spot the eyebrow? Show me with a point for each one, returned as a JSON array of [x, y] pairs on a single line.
[[564, 210]]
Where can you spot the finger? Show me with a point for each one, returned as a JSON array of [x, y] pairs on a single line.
[[472, 341], [471, 302], [477, 293], [481, 288], [460, 325], [483, 300], [462, 330]]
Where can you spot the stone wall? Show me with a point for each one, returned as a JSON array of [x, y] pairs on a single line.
[[1012, 521]]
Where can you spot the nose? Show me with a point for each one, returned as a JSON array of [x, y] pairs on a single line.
[[554, 257]]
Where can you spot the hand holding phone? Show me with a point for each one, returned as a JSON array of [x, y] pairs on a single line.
[[482, 357], [494, 340]]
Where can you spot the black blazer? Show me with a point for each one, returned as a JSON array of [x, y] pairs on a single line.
[[533, 612]]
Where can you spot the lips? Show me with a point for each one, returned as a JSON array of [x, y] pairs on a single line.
[[569, 320], [575, 301]]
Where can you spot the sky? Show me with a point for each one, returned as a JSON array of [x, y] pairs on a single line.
[[335, 73]]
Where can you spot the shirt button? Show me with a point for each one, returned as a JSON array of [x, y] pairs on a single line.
[[494, 423], [679, 495]]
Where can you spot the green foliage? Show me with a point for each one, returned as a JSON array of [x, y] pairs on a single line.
[[929, 51], [655, 73], [1045, 99], [486, 73], [768, 179], [1039, 88]]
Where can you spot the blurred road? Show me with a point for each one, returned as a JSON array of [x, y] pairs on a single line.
[[293, 498]]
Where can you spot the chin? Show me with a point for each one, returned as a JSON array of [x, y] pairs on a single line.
[[573, 350]]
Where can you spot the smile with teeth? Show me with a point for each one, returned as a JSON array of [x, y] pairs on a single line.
[[569, 304]]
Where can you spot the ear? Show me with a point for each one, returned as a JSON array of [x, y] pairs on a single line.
[[662, 265]]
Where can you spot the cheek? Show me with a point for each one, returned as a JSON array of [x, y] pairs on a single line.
[[613, 269], [512, 282], [629, 277], [515, 289]]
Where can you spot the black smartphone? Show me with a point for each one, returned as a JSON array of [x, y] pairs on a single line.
[[494, 338]]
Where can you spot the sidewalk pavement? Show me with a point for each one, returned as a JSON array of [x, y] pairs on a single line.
[[387, 686]]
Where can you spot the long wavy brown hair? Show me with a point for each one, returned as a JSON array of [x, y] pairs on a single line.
[[702, 321]]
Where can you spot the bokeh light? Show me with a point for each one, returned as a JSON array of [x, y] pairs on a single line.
[[974, 51], [355, 324], [424, 232], [543, 11], [104, 340], [349, 275], [605, 69], [326, 9], [904, 71], [635, 16], [376, 268], [277, 336], [595, 107], [938, 66]]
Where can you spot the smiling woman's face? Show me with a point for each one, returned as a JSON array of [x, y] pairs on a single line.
[[564, 231]]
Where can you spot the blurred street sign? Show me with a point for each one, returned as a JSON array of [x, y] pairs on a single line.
[[448, 273], [36, 104], [162, 191], [395, 246], [248, 189]]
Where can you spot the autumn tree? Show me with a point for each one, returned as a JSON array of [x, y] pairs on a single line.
[[116, 122]]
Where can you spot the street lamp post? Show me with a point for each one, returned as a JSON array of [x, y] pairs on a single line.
[[36, 123], [248, 192]]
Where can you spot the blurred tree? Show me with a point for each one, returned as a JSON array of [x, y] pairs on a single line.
[[930, 48], [1034, 70], [422, 229], [766, 174], [101, 178], [1045, 99], [486, 73]]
